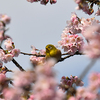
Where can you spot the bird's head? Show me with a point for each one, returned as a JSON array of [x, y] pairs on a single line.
[[50, 47]]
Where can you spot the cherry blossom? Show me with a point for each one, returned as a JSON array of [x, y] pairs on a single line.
[[9, 45], [92, 34], [5, 18], [2, 78], [37, 60], [44, 2], [7, 58], [12, 94], [15, 52], [45, 87], [71, 43]]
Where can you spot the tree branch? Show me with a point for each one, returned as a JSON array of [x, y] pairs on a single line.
[[85, 71], [32, 54], [62, 59], [15, 62]]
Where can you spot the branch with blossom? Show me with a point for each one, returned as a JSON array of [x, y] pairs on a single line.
[[40, 82], [87, 6], [44, 2]]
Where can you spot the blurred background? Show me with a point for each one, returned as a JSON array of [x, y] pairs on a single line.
[[39, 25]]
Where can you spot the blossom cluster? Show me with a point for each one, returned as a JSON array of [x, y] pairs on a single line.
[[69, 81], [89, 28], [92, 34], [10, 52], [67, 84], [77, 25], [91, 92], [46, 85], [22, 82], [44, 2], [87, 6], [41, 83], [73, 25], [71, 43], [4, 20], [37, 60]]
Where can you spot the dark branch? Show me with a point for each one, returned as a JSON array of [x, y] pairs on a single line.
[[16, 63], [6, 69], [62, 59], [32, 54]]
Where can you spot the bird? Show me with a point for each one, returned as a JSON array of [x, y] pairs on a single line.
[[52, 52]]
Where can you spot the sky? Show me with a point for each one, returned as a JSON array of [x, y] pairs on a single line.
[[39, 25]]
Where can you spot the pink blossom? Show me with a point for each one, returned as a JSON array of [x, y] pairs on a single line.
[[2, 78], [73, 26], [92, 31], [44, 2], [53, 1], [92, 34], [12, 94], [37, 60], [74, 19], [23, 79], [85, 23], [9, 44], [91, 92], [1, 35], [60, 95], [15, 52], [77, 1], [69, 81], [94, 81], [2, 54], [71, 43], [92, 49], [86, 9], [72, 98], [45, 86], [5, 19], [83, 5], [7, 58], [31, 1], [84, 94]]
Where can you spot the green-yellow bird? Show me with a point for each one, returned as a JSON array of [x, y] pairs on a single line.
[[53, 52]]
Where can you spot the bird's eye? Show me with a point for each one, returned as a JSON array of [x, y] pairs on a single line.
[[50, 47]]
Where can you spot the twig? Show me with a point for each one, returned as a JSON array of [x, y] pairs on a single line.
[[85, 71], [6, 69], [62, 59], [16, 63], [32, 54]]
